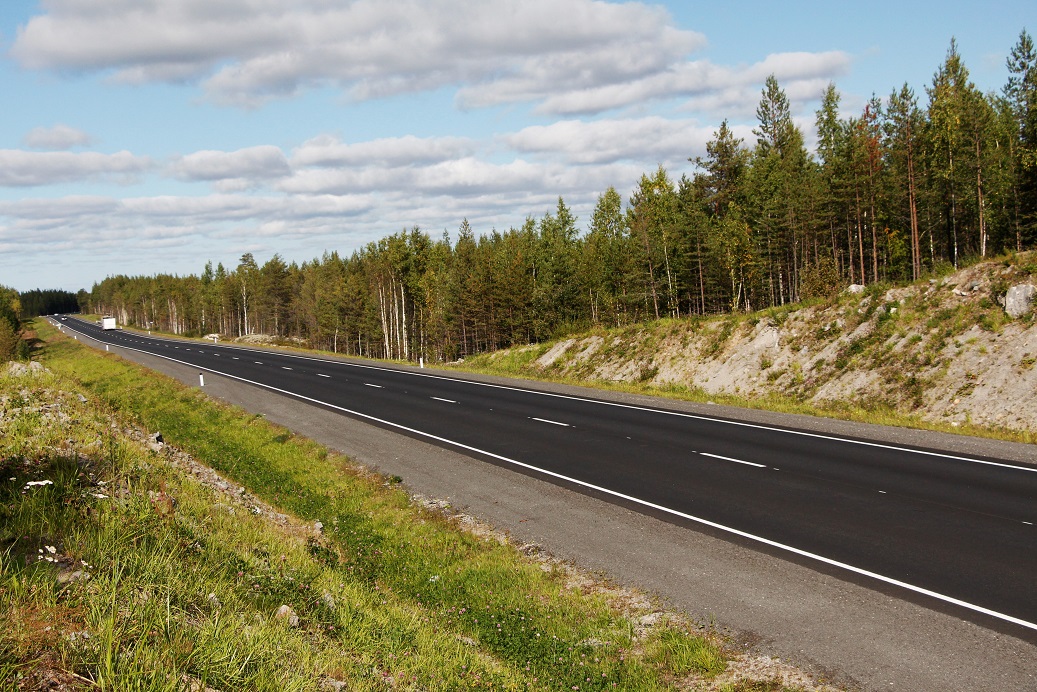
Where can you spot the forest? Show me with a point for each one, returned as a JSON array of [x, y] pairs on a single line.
[[912, 184]]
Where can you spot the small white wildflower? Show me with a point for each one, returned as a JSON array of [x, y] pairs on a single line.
[[99, 496], [32, 483], [51, 549], [434, 578]]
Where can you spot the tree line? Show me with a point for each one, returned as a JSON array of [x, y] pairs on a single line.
[[897, 190]]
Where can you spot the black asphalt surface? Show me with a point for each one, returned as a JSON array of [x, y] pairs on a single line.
[[958, 531]]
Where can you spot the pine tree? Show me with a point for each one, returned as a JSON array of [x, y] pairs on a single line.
[[1021, 95]]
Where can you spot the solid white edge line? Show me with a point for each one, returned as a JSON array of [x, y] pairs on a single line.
[[616, 404], [630, 498], [737, 461]]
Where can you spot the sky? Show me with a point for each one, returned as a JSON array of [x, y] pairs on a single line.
[[141, 137]]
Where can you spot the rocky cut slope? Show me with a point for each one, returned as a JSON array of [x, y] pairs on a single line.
[[958, 349]]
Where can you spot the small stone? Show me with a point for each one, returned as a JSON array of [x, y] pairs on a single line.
[[72, 577], [286, 613], [318, 527]]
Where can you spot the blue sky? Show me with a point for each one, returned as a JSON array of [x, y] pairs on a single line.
[[148, 136]]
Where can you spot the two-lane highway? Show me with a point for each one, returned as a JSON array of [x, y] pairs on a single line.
[[954, 529]]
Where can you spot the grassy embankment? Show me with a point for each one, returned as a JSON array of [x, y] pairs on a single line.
[[119, 568]]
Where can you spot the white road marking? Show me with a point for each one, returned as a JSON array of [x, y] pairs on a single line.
[[679, 414], [552, 422], [257, 362], [737, 461], [320, 374], [377, 386], [883, 492], [449, 401], [646, 503], [285, 367], [636, 500]]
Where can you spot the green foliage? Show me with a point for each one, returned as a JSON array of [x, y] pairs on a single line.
[[820, 279], [49, 302], [11, 344], [183, 583], [899, 191]]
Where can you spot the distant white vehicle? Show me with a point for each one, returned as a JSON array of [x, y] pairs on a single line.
[[108, 323]]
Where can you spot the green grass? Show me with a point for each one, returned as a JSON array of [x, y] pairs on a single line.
[[185, 581]]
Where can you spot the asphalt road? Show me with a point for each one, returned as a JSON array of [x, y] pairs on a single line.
[[958, 531]]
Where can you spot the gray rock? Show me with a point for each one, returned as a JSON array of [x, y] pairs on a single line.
[[1019, 299], [855, 288], [17, 369], [287, 614], [65, 577]]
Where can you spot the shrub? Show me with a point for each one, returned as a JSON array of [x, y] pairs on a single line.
[[820, 279]]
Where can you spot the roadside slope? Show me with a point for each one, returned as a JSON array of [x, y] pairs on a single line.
[[943, 352], [289, 569]]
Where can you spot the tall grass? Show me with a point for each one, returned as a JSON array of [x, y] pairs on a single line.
[[126, 571]]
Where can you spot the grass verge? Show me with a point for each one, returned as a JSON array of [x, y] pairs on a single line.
[[126, 565]]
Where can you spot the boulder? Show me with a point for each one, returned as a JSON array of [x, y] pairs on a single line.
[[855, 289], [1019, 299]]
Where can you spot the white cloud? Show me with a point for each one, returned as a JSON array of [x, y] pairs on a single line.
[[247, 51], [59, 137], [703, 82], [232, 171], [328, 151], [605, 141], [32, 169]]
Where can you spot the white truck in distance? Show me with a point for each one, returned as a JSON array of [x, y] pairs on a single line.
[[108, 323]]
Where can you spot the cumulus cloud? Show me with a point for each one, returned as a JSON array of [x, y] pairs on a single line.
[[607, 141], [232, 171], [567, 56], [32, 169], [57, 138], [247, 51], [703, 82], [329, 151]]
